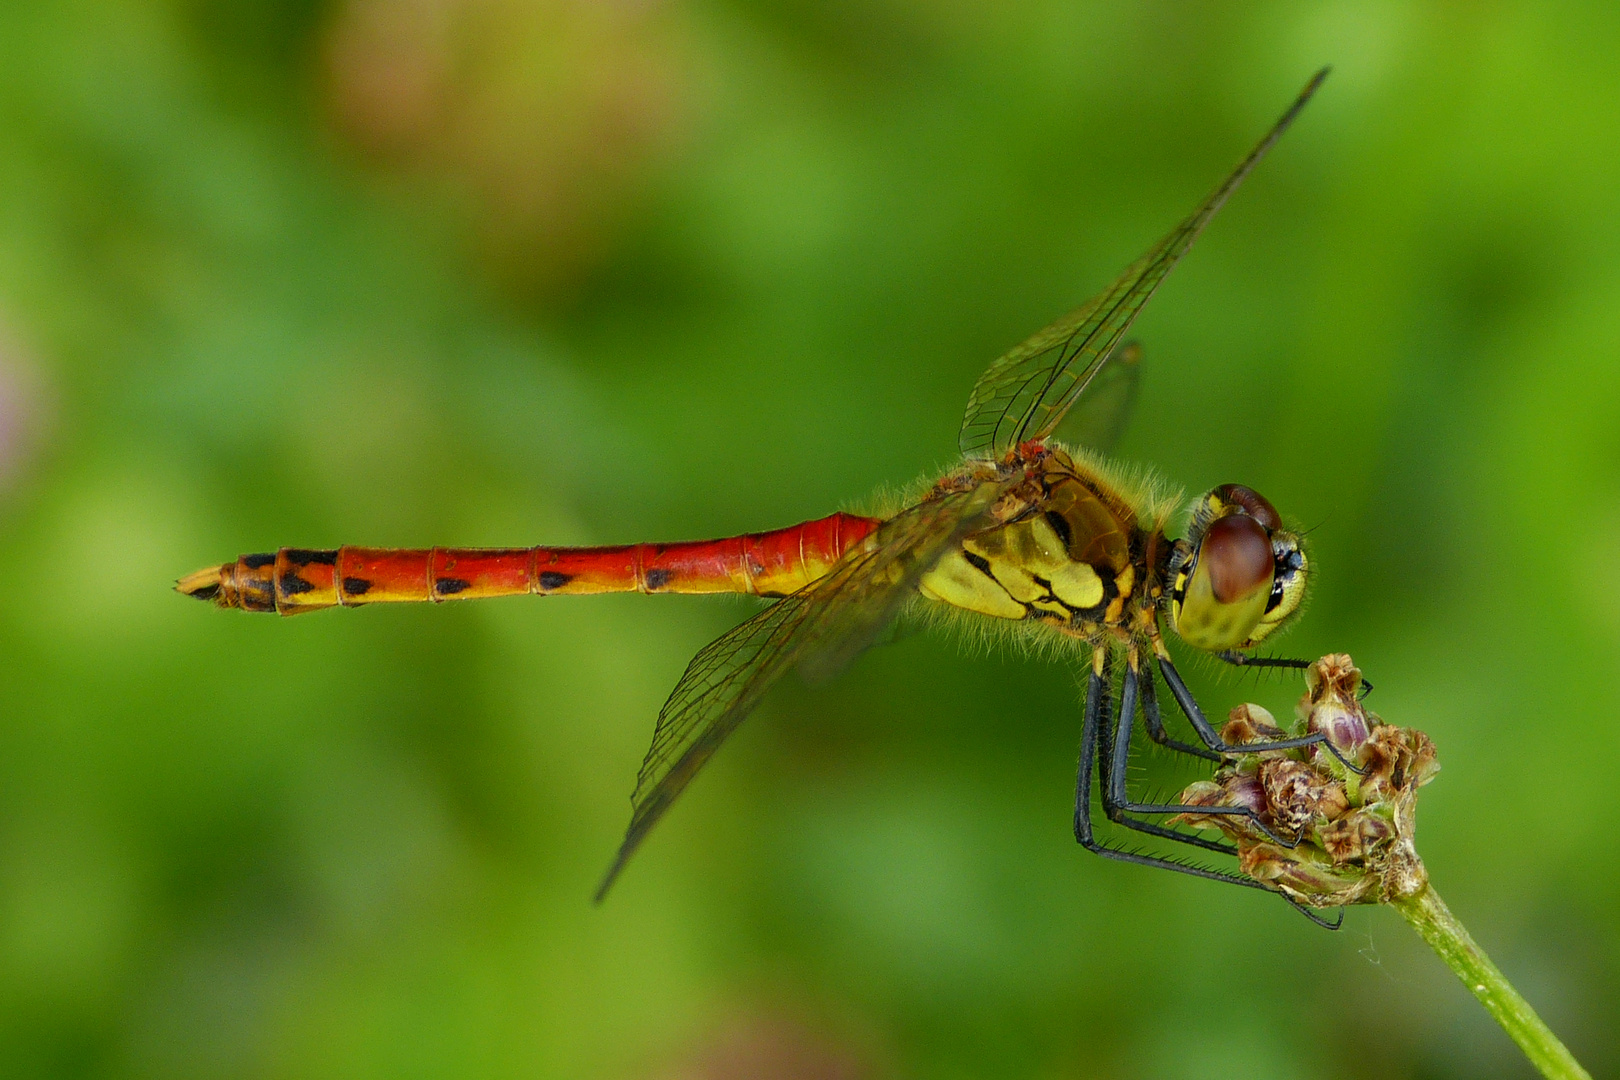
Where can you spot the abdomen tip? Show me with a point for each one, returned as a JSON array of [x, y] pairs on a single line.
[[203, 584]]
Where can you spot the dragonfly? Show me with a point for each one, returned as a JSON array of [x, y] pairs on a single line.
[[1040, 537]]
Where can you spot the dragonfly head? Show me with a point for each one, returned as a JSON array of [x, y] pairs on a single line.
[[1238, 576]]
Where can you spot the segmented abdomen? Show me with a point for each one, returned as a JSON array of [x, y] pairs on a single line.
[[295, 580]]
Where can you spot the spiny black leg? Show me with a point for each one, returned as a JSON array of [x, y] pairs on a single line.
[[1095, 723], [1195, 716], [1155, 723], [1105, 727], [1117, 801], [1096, 717], [1099, 689], [1237, 659], [1314, 917], [1114, 800]]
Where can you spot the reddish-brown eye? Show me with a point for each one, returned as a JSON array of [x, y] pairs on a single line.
[[1236, 553], [1251, 502]]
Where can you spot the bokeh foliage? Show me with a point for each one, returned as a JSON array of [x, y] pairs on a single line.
[[514, 271]]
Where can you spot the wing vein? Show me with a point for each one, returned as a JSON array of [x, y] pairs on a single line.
[[1028, 391], [817, 629]]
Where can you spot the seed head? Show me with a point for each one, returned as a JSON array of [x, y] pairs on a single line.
[[1355, 828]]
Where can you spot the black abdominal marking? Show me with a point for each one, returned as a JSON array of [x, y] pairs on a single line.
[[293, 585]]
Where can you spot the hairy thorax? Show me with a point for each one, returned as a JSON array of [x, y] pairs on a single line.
[[1071, 550]]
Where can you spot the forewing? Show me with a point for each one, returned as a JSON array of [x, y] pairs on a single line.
[[1025, 394], [1099, 419], [821, 627]]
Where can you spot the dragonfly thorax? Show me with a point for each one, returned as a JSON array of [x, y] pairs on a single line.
[[1076, 549], [1072, 549]]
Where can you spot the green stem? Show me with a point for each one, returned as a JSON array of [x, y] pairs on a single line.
[[1431, 918]]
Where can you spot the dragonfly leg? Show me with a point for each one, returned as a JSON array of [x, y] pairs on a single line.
[[1212, 739], [1314, 917], [1154, 722], [1116, 798], [1114, 745], [1107, 741], [1237, 659], [1097, 718], [1096, 730]]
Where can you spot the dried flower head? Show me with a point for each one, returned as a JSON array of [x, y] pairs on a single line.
[[1355, 828]]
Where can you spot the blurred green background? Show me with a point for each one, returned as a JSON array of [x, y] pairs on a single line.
[[492, 272]]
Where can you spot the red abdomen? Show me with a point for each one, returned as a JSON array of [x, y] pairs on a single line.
[[295, 580]]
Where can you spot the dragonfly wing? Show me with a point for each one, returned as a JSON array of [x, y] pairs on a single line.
[[1102, 414], [820, 627], [1025, 394], [862, 604]]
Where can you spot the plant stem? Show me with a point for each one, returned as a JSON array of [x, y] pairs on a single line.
[[1436, 924]]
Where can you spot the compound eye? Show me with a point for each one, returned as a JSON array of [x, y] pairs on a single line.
[[1236, 553], [1251, 502], [1229, 586]]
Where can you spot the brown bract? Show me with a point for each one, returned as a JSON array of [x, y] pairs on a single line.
[[1355, 830]]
